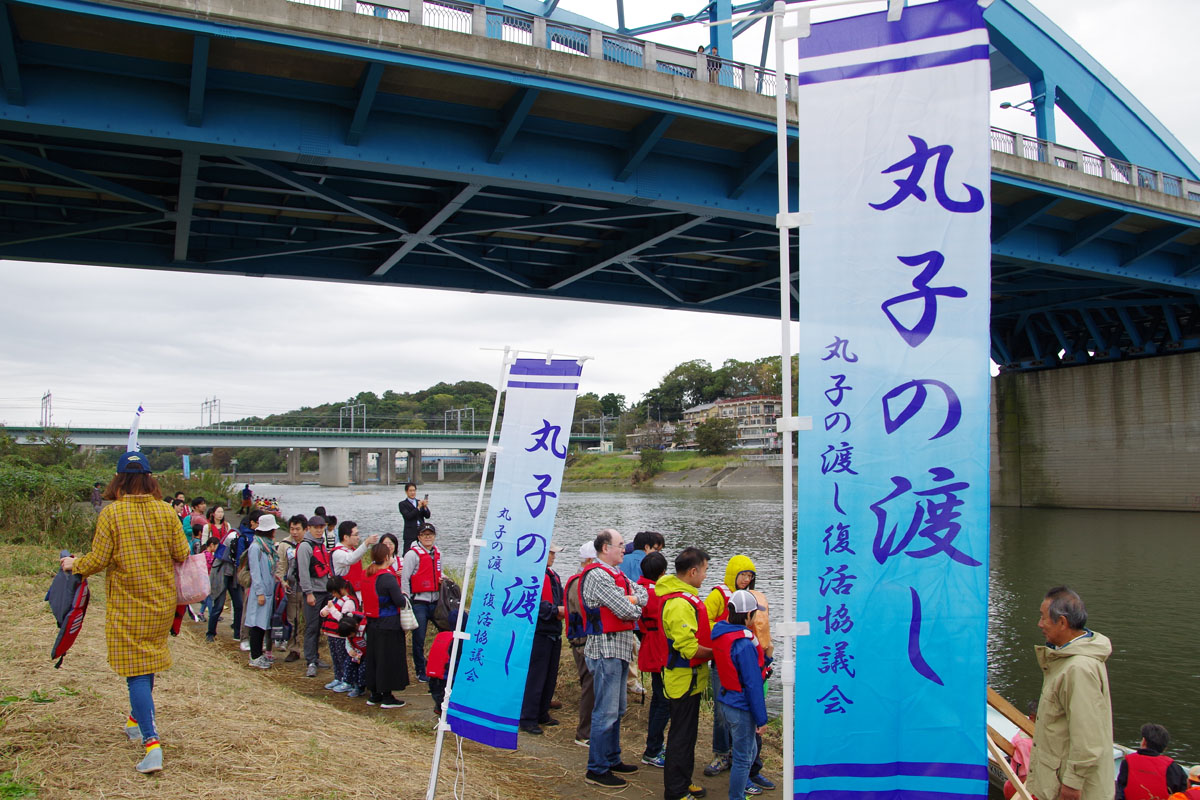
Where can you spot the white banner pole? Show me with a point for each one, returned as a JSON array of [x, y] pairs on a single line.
[[475, 544], [787, 667]]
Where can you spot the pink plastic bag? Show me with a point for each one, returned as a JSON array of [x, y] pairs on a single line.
[[191, 580]]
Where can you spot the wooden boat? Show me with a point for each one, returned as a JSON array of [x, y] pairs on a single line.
[[1003, 722]]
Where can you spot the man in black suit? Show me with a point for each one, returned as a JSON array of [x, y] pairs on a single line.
[[414, 512]]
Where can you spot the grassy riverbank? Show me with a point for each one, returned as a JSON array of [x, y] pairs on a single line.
[[619, 468], [232, 731]]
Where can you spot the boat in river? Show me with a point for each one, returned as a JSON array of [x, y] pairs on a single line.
[[1003, 723]]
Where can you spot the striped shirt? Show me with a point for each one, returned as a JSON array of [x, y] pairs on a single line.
[[600, 589]]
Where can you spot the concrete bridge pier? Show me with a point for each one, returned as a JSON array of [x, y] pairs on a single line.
[[414, 467], [293, 465], [387, 467], [335, 467], [358, 466]]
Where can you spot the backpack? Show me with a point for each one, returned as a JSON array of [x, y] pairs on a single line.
[[448, 603], [242, 576]]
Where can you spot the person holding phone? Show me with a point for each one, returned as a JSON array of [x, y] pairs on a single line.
[[414, 512]]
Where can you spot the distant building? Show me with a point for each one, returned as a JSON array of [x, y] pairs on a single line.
[[653, 434], [754, 415]]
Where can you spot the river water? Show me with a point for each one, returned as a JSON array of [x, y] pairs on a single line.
[[1129, 567]]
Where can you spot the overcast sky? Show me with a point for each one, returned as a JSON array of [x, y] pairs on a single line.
[[103, 340]]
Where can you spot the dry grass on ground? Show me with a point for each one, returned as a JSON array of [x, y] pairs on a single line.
[[227, 730], [231, 731]]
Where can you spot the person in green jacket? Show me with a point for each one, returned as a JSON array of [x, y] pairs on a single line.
[[1072, 755], [688, 632]]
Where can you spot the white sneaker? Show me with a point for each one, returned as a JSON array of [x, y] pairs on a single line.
[[245, 645], [260, 662]]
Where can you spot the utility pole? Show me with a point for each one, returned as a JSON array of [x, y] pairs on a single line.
[[47, 414], [350, 410], [458, 415], [208, 408]]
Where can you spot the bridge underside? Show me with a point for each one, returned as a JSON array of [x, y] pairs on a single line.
[[136, 139]]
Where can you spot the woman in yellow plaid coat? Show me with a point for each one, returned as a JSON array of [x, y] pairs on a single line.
[[138, 541]]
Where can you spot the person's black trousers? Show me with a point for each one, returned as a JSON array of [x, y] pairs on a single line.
[[234, 590], [681, 746], [542, 679]]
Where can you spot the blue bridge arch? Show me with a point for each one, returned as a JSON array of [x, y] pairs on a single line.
[[486, 149]]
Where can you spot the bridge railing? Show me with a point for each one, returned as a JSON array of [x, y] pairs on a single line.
[[536, 31], [1112, 169]]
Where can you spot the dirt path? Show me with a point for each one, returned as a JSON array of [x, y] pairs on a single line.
[[232, 731]]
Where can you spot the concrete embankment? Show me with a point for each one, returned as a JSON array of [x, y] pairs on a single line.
[[727, 477]]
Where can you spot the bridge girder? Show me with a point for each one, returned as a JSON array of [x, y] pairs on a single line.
[[351, 163]]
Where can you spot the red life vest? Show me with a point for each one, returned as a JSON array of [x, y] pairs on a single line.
[[601, 620], [318, 565], [1190, 794], [1147, 776], [329, 625], [675, 659], [652, 656], [354, 576], [726, 593], [439, 655], [723, 658], [370, 597], [428, 577]]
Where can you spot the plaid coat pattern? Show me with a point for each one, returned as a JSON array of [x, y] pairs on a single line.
[[138, 541]]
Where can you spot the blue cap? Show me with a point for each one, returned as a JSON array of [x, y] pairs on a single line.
[[134, 461]]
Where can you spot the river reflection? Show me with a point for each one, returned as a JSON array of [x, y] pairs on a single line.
[[1130, 568]]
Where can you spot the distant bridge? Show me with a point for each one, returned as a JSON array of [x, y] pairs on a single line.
[[258, 436], [343, 454]]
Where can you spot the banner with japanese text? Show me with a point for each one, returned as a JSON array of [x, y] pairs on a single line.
[[893, 497], [485, 703]]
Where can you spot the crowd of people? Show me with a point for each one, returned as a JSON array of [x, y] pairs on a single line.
[[623, 614]]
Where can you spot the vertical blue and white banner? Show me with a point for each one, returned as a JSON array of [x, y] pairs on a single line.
[[132, 446], [490, 683], [893, 367]]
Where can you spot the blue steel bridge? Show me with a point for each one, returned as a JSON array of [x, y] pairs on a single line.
[[522, 150]]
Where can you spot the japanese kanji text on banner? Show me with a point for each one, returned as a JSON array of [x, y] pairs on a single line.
[[539, 404], [893, 366]]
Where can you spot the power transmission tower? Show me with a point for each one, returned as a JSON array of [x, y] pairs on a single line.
[[351, 410], [47, 413], [209, 407], [458, 416]]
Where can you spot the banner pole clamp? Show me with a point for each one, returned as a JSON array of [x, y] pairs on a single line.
[[790, 424], [794, 219], [480, 543]]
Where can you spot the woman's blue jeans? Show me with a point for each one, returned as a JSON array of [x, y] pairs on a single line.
[[141, 704]]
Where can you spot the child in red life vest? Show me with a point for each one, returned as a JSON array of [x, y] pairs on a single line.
[[342, 602], [1148, 774], [438, 667], [741, 669], [652, 657]]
